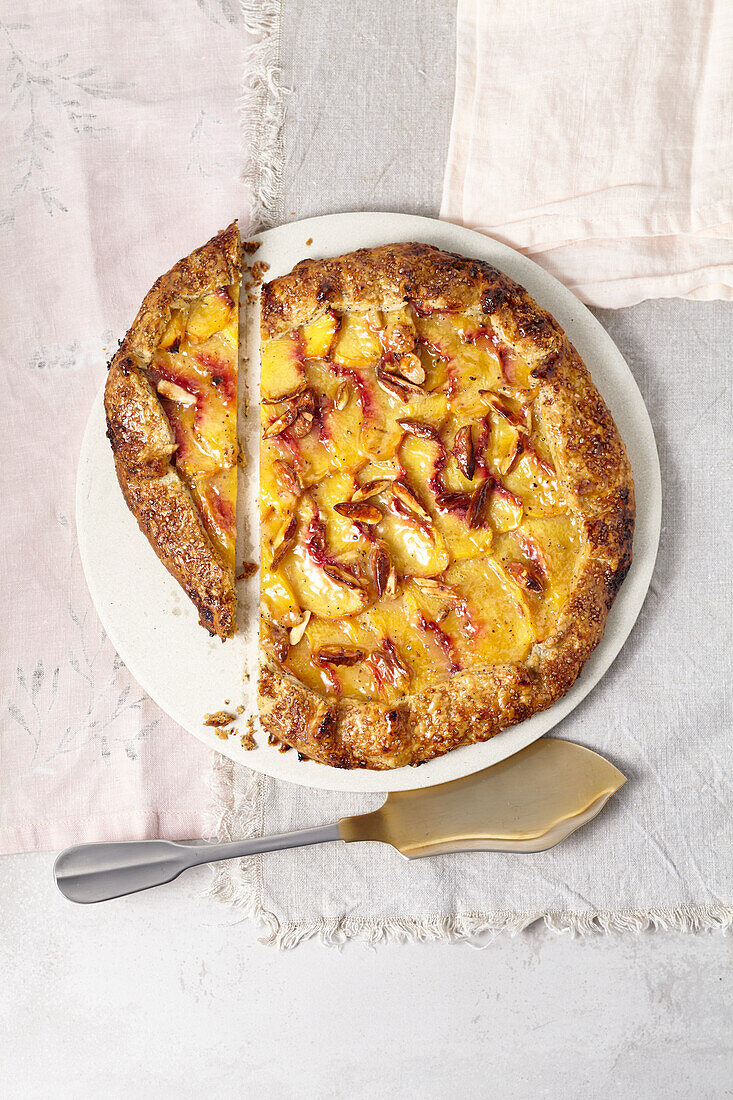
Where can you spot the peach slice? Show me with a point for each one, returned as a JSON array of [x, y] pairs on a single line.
[[282, 368], [497, 607], [321, 588], [216, 500], [505, 509], [209, 315], [319, 335], [358, 343], [174, 330], [415, 546], [279, 603]]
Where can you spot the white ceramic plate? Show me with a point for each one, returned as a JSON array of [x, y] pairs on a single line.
[[154, 627]]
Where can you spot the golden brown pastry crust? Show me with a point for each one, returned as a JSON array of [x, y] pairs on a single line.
[[593, 469], [143, 443]]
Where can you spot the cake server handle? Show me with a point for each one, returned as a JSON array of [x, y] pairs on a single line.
[[99, 872]]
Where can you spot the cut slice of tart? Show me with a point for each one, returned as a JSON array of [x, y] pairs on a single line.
[[447, 508], [171, 405]]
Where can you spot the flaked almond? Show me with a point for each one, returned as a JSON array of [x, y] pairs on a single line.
[[505, 412], [432, 587], [390, 585], [476, 514], [526, 577], [450, 499], [341, 575], [409, 500], [338, 655], [284, 542], [410, 368], [372, 489], [287, 476], [280, 641], [359, 512], [281, 398], [175, 393], [297, 631], [380, 564], [341, 400], [464, 453], [302, 424], [505, 464], [281, 424], [395, 384], [306, 402], [418, 427]]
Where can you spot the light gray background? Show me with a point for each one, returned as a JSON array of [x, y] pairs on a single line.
[[169, 994]]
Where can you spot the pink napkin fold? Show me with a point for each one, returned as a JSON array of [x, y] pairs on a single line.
[[121, 153], [597, 139]]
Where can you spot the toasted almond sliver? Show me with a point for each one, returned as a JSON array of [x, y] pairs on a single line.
[[418, 427], [410, 368], [433, 587], [341, 399], [359, 512], [526, 577], [340, 575], [410, 501], [372, 489], [276, 427], [302, 424], [175, 393], [338, 655], [284, 542], [283, 397], [396, 384], [287, 475], [475, 515], [390, 587], [380, 564], [450, 499], [297, 632], [464, 453]]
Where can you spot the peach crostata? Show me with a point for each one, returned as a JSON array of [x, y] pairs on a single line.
[[171, 405], [447, 508]]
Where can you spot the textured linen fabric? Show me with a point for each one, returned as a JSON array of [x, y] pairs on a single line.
[[597, 138], [122, 152], [661, 713], [660, 850]]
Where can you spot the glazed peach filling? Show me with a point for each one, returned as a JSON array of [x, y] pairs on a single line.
[[194, 371], [412, 524]]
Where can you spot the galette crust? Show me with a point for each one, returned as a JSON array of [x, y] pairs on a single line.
[[593, 470], [143, 443]]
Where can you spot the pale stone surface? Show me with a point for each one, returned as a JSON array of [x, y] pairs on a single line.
[[167, 994]]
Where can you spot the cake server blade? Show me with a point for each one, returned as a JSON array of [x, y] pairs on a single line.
[[526, 803]]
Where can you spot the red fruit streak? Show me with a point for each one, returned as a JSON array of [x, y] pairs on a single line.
[[368, 404], [222, 375], [534, 552], [431, 628]]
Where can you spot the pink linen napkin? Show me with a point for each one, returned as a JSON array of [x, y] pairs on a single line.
[[597, 139], [121, 153]]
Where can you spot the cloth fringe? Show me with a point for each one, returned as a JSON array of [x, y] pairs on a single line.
[[239, 883], [262, 113]]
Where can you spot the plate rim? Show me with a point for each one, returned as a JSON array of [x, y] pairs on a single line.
[[472, 758]]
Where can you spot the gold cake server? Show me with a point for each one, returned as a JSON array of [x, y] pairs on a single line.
[[526, 803]]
